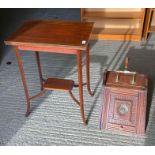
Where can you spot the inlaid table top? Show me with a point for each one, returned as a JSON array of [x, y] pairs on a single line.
[[74, 34]]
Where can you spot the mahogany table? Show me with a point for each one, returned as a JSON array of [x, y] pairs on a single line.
[[67, 37]]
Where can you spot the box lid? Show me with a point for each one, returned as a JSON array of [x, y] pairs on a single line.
[[122, 79]]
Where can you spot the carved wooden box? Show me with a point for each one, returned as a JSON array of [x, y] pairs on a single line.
[[124, 102]]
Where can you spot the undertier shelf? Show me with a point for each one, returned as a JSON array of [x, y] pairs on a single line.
[[58, 84]]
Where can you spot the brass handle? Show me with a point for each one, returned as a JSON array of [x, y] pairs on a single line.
[[133, 79], [132, 82], [117, 77]]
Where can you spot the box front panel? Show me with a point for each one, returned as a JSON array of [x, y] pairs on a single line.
[[122, 109]]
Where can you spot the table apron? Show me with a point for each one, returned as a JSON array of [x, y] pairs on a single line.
[[53, 49]]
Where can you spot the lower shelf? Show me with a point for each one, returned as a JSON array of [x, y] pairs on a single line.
[[58, 84]]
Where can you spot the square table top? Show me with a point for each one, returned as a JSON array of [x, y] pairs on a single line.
[[73, 34]]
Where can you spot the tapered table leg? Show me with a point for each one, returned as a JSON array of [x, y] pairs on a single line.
[[88, 71], [39, 69], [21, 70], [79, 65]]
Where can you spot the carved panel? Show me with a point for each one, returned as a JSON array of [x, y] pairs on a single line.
[[122, 109]]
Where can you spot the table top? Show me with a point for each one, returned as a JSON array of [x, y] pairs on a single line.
[[73, 34]]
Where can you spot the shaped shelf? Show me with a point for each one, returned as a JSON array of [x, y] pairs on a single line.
[[58, 84]]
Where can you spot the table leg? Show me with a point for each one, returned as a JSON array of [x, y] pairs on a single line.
[[88, 71], [39, 69], [21, 70], [79, 64]]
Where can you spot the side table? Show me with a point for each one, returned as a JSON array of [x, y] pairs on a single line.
[[54, 36]]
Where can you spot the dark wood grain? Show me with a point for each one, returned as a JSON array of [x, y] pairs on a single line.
[[52, 32], [133, 101]]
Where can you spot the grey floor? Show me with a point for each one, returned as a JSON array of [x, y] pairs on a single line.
[[55, 118]]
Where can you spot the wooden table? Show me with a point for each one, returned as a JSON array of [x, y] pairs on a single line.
[[56, 36]]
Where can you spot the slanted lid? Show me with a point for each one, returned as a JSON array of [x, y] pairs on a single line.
[[130, 80]]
